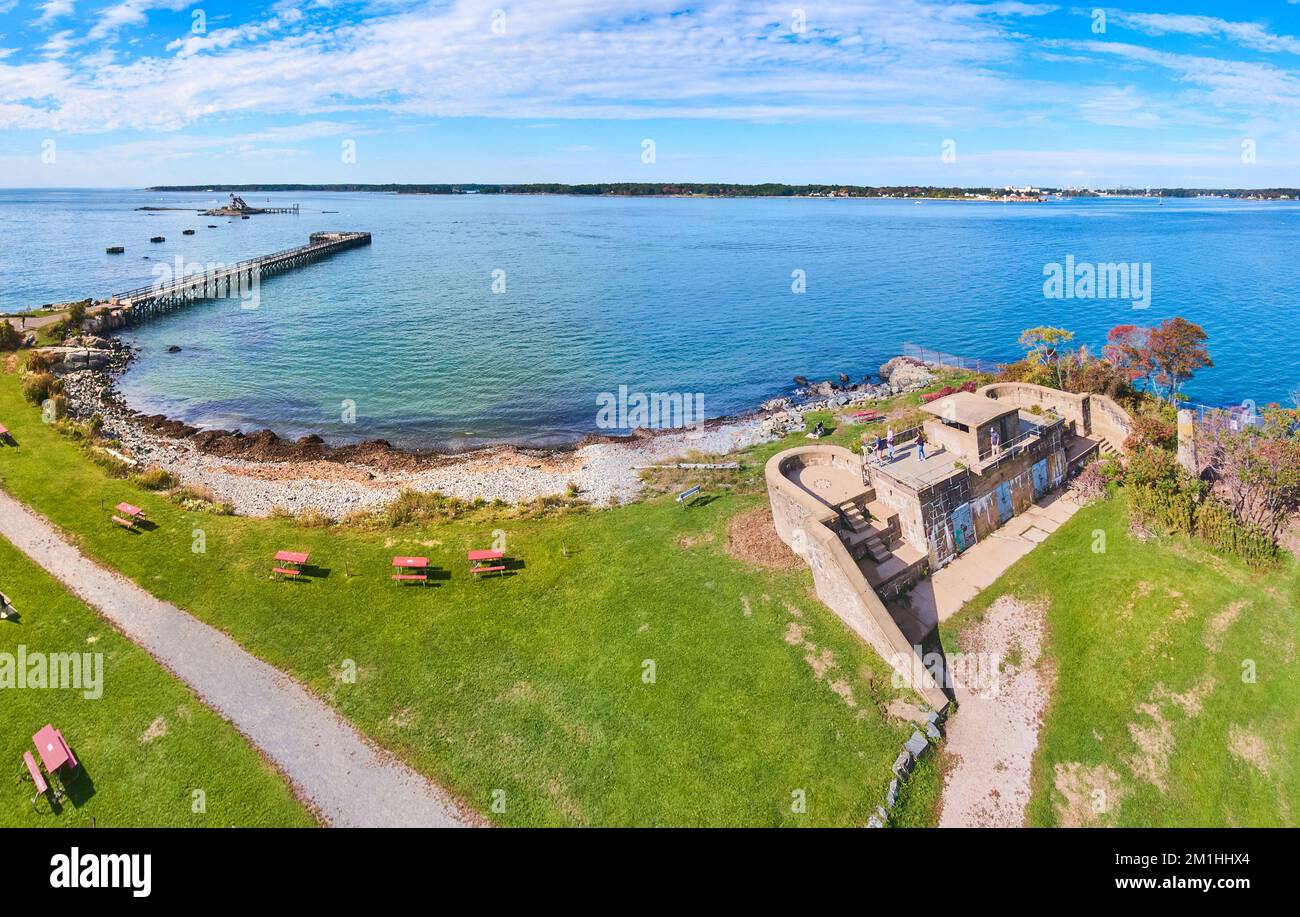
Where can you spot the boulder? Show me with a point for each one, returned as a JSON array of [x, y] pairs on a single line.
[[891, 794], [904, 374], [902, 765], [916, 746]]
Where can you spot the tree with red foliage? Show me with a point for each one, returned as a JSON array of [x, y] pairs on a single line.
[[1128, 349], [1164, 357], [1178, 351]]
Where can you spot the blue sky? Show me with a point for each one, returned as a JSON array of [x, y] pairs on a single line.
[[136, 92]]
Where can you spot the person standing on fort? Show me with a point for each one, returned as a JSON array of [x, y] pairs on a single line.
[[889, 438], [995, 441], [920, 444]]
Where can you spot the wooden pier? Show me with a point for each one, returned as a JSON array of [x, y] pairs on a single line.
[[229, 281]]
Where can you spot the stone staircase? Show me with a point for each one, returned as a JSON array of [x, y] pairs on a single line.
[[863, 535]]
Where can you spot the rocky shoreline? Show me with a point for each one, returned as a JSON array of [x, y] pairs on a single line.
[[261, 473]]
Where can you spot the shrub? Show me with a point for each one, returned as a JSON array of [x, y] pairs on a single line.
[[1216, 525], [412, 506], [1091, 483], [112, 465], [199, 498], [38, 361], [1111, 469], [1098, 376], [1151, 430], [314, 519], [38, 386], [155, 479], [10, 339], [1025, 371], [1150, 466]]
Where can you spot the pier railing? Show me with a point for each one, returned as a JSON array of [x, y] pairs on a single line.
[[226, 280]]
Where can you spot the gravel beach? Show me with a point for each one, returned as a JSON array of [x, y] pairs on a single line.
[[318, 479]]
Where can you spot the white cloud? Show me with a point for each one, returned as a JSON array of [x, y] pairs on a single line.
[[901, 60], [51, 10], [226, 38], [1249, 34], [110, 20]]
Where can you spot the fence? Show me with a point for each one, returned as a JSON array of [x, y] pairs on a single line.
[[1233, 417], [931, 357]]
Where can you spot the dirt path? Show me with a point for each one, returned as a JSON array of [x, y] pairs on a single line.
[[350, 782], [992, 737], [35, 322]]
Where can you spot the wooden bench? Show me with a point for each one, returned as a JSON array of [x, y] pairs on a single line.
[[35, 773], [486, 569], [287, 571], [687, 494], [125, 523], [866, 416], [411, 577]]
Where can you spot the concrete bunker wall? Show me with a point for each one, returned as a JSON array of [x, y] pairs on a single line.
[[1073, 407], [805, 525]]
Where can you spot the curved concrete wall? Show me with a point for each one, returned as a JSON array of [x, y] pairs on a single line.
[[1026, 395], [1110, 420], [1092, 413], [804, 523]]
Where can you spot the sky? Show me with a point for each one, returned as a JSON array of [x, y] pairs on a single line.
[[128, 93]]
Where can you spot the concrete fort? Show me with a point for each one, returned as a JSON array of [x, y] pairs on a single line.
[[871, 525]]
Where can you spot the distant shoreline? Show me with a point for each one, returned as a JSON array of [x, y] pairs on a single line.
[[728, 189]]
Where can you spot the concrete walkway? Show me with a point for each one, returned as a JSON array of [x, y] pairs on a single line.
[[940, 596], [349, 781]]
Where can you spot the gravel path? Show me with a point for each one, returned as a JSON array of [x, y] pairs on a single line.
[[992, 737], [350, 782]]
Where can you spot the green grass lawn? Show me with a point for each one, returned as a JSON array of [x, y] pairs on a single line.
[[1150, 641], [145, 745], [532, 684]]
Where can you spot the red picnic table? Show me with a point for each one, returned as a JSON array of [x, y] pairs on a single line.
[[4, 433], [404, 564], [131, 514], [476, 559], [290, 561], [53, 749]]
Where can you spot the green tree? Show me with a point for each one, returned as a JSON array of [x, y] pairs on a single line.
[[1043, 345]]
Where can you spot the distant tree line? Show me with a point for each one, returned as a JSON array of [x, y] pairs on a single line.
[[722, 189], [623, 189]]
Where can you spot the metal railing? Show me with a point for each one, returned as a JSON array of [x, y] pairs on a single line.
[[198, 279]]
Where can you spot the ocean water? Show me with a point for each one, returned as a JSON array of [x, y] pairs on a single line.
[[660, 295]]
